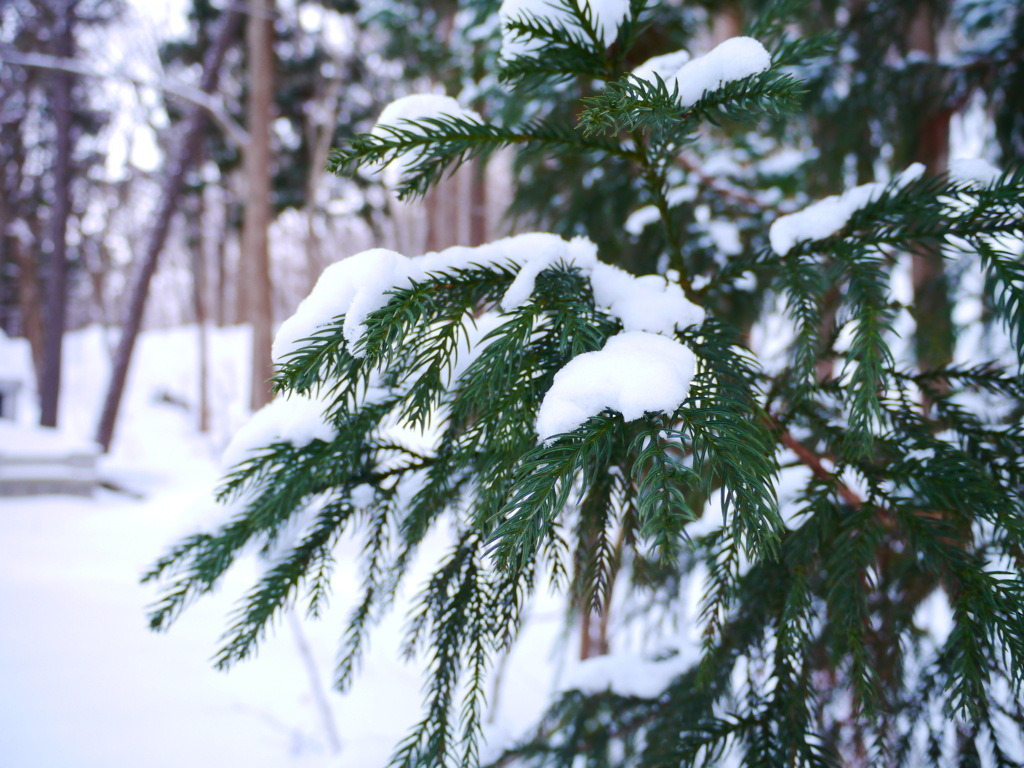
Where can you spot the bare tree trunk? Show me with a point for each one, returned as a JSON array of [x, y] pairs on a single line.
[[320, 140], [56, 287], [222, 256], [255, 261], [932, 308], [179, 162], [478, 203], [18, 238], [195, 247]]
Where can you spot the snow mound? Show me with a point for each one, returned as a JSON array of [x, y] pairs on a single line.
[[626, 675], [359, 285], [735, 59], [973, 170], [634, 373], [297, 420], [664, 66], [607, 16], [829, 215]]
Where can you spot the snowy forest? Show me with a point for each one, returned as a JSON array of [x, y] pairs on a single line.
[[512, 383]]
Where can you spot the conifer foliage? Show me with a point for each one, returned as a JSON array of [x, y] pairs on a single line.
[[567, 421]]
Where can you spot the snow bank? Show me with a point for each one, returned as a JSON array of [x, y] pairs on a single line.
[[633, 374], [297, 420], [664, 66], [829, 215], [735, 59], [626, 675], [357, 286], [607, 16], [973, 170]]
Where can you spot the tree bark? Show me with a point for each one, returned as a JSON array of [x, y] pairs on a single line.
[[180, 161], [255, 262], [478, 203], [195, 247], [56, 285], [932, 309]]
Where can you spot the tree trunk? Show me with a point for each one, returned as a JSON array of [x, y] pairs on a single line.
[[478, 203], [255, 261], [56, 287], [932, 308], [195, 247], [321, 137], [179, 162]]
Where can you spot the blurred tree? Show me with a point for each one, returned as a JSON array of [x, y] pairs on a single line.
[[254, 265], [47, 111]]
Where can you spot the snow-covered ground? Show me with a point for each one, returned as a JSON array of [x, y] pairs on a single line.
[[82, 680]]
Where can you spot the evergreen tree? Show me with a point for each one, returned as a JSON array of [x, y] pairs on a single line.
[[599, 431]]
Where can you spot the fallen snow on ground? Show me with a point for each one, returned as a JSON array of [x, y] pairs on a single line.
[[83, 682]]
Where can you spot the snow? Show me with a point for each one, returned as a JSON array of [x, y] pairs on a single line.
[[726, 236], [827, 216], [297, 419], [403, 114], [15, 360], [973, 170], [649, 303], [607, 16], [734, 59], [641, 218], [663, 66], [84, 683], [634, 373], [420, 106], [30, 441], [627, 674], [358, 285]]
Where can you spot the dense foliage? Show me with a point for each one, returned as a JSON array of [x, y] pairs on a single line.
[[836, 486]]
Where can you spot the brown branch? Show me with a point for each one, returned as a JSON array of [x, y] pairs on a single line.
[[811, 460]]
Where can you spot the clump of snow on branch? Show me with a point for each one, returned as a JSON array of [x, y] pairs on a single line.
[[421, 106], [360, 284], [626, 675], [297, 419], [735, 59], [664, 66], [407, 113], [606, 15], [973, 170], [634, 373], [829, 215]]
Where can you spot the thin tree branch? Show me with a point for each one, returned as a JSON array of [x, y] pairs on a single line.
[[235, 133]]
